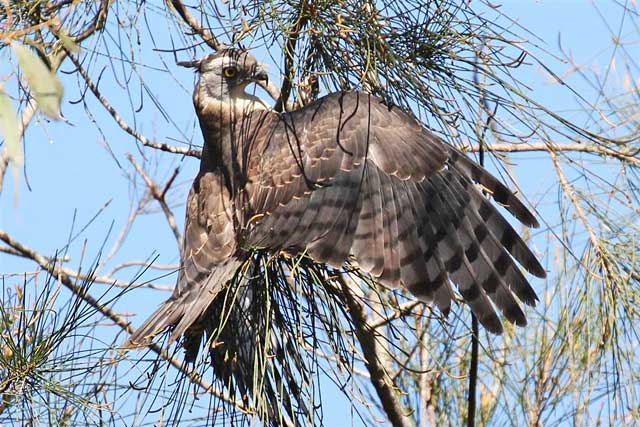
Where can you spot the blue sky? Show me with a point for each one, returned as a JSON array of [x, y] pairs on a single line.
[[56, 182], [72, 173]]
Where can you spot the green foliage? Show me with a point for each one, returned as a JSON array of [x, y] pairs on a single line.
[[10, 132], [43, 83], [47, 351]]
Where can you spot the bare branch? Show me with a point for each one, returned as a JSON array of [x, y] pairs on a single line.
[[473, 372], [95, 25], [144, 264], [289, 56], [398, 312], [367, 336], [274, 93], [628, 157], [16, 249], [425, 381], [133, 213], [206, 35], [593, 238], [11, 251]]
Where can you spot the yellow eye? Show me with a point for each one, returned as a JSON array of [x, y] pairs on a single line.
[[229, 72]]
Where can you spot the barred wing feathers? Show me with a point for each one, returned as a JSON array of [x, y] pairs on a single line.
[[349, 176]]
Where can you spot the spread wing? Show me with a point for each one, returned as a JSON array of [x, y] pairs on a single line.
[[348, 176]]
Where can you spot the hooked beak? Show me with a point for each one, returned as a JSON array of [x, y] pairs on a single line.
[[259, 74], [189, 64]]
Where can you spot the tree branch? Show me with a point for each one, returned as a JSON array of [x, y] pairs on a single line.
[[398, 312], [628, 157], [367, 337], [473, 372], [289, 56], [601, 253], [123, 125], [97, 23], [17, 249]]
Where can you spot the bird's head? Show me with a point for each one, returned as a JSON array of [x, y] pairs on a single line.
[[223, 78]]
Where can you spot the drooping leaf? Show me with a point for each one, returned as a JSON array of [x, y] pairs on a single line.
[[44, 84], [10, 133]]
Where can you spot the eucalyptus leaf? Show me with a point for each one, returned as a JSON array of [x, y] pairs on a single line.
[[44, 84], [9, 128], [10, 132]]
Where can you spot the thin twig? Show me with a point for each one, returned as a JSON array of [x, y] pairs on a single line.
[[473, 372], [548, 147], [95, 25], [68, 280], [144, 264], [124, 232], [24, 252], [593, 238], [159, 196], [123, 125], [398, 312], [207, 36]]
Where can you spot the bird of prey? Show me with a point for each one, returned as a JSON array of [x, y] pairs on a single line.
[[347, 178]]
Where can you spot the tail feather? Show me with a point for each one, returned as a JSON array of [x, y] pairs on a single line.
[[184, 309], [166, 315]]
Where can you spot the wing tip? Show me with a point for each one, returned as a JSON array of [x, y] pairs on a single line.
[[537, 269], [491, 322]]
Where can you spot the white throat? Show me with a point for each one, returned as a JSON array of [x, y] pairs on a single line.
[[220, 112], [245, 102]]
